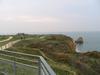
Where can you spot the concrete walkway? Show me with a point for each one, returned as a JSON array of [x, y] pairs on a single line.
[[11, 43], [6, 39], [8, 45]]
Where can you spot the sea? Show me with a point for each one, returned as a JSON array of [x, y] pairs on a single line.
[[91, 40]]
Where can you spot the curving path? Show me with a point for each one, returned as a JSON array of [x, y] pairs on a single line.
[[8, 45], [6, 39], [11, 43], [55, 64]]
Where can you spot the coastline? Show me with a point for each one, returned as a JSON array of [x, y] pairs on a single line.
[[79, 51]]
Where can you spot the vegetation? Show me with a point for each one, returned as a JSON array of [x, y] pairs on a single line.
[[3, 37], [59, 51]]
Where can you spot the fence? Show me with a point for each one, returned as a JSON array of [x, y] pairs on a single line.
[[16, 63]]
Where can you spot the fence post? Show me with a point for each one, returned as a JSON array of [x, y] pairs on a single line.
[[39, 68], [14, 66]]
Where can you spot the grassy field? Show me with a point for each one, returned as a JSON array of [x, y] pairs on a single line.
[[20, 69], [6, 37], [22, 46], [21, 62], [59, 51], [3, 37]]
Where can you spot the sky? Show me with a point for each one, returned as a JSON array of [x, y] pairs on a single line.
[[30, 16]]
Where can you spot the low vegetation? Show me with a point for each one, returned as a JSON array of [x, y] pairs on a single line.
[[59, 51], [3, 37]]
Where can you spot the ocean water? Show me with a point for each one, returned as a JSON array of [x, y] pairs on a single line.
[[91, 40]]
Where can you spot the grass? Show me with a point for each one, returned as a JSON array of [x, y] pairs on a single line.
[[22, 46], [3, 43], [3, 37], [7, 66], [20, 69], [73, 63]]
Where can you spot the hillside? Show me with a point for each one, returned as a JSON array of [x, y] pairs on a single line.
[[59, 51]]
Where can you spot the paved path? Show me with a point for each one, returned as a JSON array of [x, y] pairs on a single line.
[[9, 44], [6, 39]]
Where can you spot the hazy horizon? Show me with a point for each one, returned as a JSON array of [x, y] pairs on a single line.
[[35, 16], [62, 32]]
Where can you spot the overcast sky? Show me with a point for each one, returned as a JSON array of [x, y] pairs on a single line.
[[49, 15]]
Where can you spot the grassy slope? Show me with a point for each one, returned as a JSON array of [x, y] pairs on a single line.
[[59, 51], [3, 37], [6, 37]]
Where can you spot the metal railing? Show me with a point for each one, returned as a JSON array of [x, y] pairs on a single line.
[[16, 63]]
